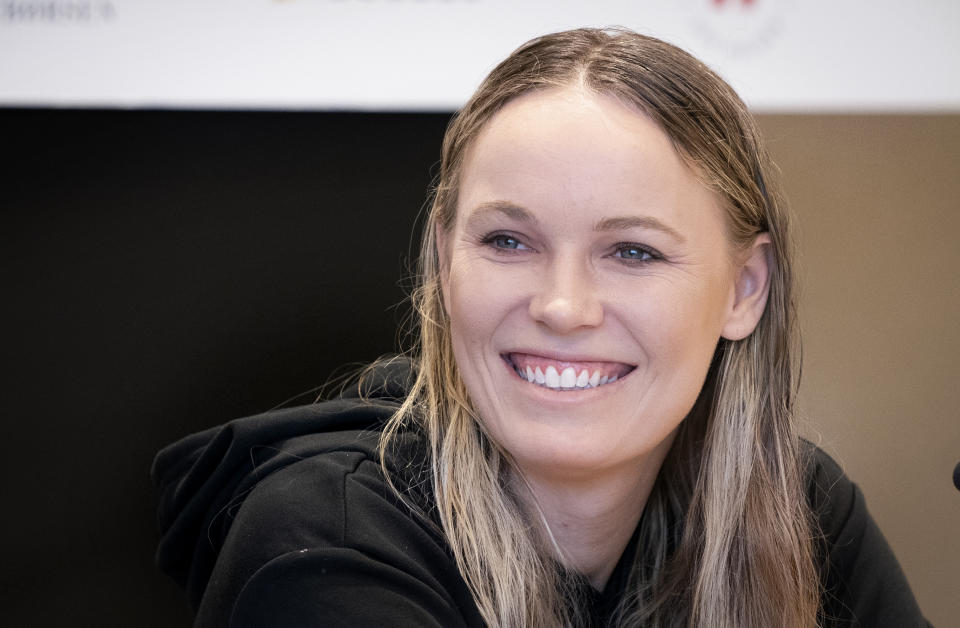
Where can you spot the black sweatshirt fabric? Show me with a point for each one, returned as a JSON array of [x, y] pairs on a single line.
[[286, 519]]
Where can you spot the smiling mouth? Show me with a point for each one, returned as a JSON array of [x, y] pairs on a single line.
[[562, 375]]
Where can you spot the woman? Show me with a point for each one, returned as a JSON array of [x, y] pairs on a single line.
[[596, 425]]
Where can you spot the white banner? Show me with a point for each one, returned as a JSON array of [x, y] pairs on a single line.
[[781, 55]]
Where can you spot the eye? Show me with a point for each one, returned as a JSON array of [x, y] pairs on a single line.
[[505, 242], [635, 253]]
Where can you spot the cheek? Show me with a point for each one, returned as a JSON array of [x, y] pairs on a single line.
[[468, 303], [478, 298], [679, 325]]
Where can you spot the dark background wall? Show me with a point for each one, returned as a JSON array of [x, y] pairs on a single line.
[[164, 272]]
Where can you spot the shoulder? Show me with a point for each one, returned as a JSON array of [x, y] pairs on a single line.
[[862, 582], [331, 489], [288, 518], [206, 475], [832, 496], [327, 538]]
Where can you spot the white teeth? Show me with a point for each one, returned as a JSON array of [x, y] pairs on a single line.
[[583, 379], [566, 380], [552, 378]]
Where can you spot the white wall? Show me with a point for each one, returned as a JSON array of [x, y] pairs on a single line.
[[782, 55]]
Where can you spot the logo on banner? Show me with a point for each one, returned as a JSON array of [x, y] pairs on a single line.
[[57, 12], [740, 27]]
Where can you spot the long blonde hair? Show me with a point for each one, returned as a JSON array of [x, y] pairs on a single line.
[[726, 538]]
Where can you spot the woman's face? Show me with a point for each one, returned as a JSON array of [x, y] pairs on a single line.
[[588, 278]]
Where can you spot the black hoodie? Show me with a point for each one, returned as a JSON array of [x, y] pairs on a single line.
[[285, 519]]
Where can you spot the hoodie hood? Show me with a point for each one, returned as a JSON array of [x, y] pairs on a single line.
[[203, 478]]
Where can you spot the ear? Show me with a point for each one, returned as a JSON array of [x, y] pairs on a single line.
[[750, 289]]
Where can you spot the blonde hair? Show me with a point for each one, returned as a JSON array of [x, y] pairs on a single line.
[[726, 537]]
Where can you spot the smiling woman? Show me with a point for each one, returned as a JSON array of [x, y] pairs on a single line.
[[614, 264], [595, 426]]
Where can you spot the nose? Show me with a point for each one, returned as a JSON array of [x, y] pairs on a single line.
[[567, 299]]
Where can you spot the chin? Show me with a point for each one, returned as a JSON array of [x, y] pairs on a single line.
[[568, 452]]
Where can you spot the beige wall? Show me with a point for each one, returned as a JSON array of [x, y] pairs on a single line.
[[877, 200]]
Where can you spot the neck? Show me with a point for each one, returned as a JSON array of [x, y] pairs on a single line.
[[591, 520]]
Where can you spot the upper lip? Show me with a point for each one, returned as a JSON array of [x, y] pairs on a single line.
[[560, 356]]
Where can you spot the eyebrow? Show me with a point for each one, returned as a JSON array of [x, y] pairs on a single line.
[[508, 209], [643, 222]]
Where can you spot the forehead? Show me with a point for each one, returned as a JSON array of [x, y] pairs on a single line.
[[572, 150]]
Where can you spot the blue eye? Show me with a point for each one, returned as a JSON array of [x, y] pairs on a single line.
[[635, 253], [505, 242]]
